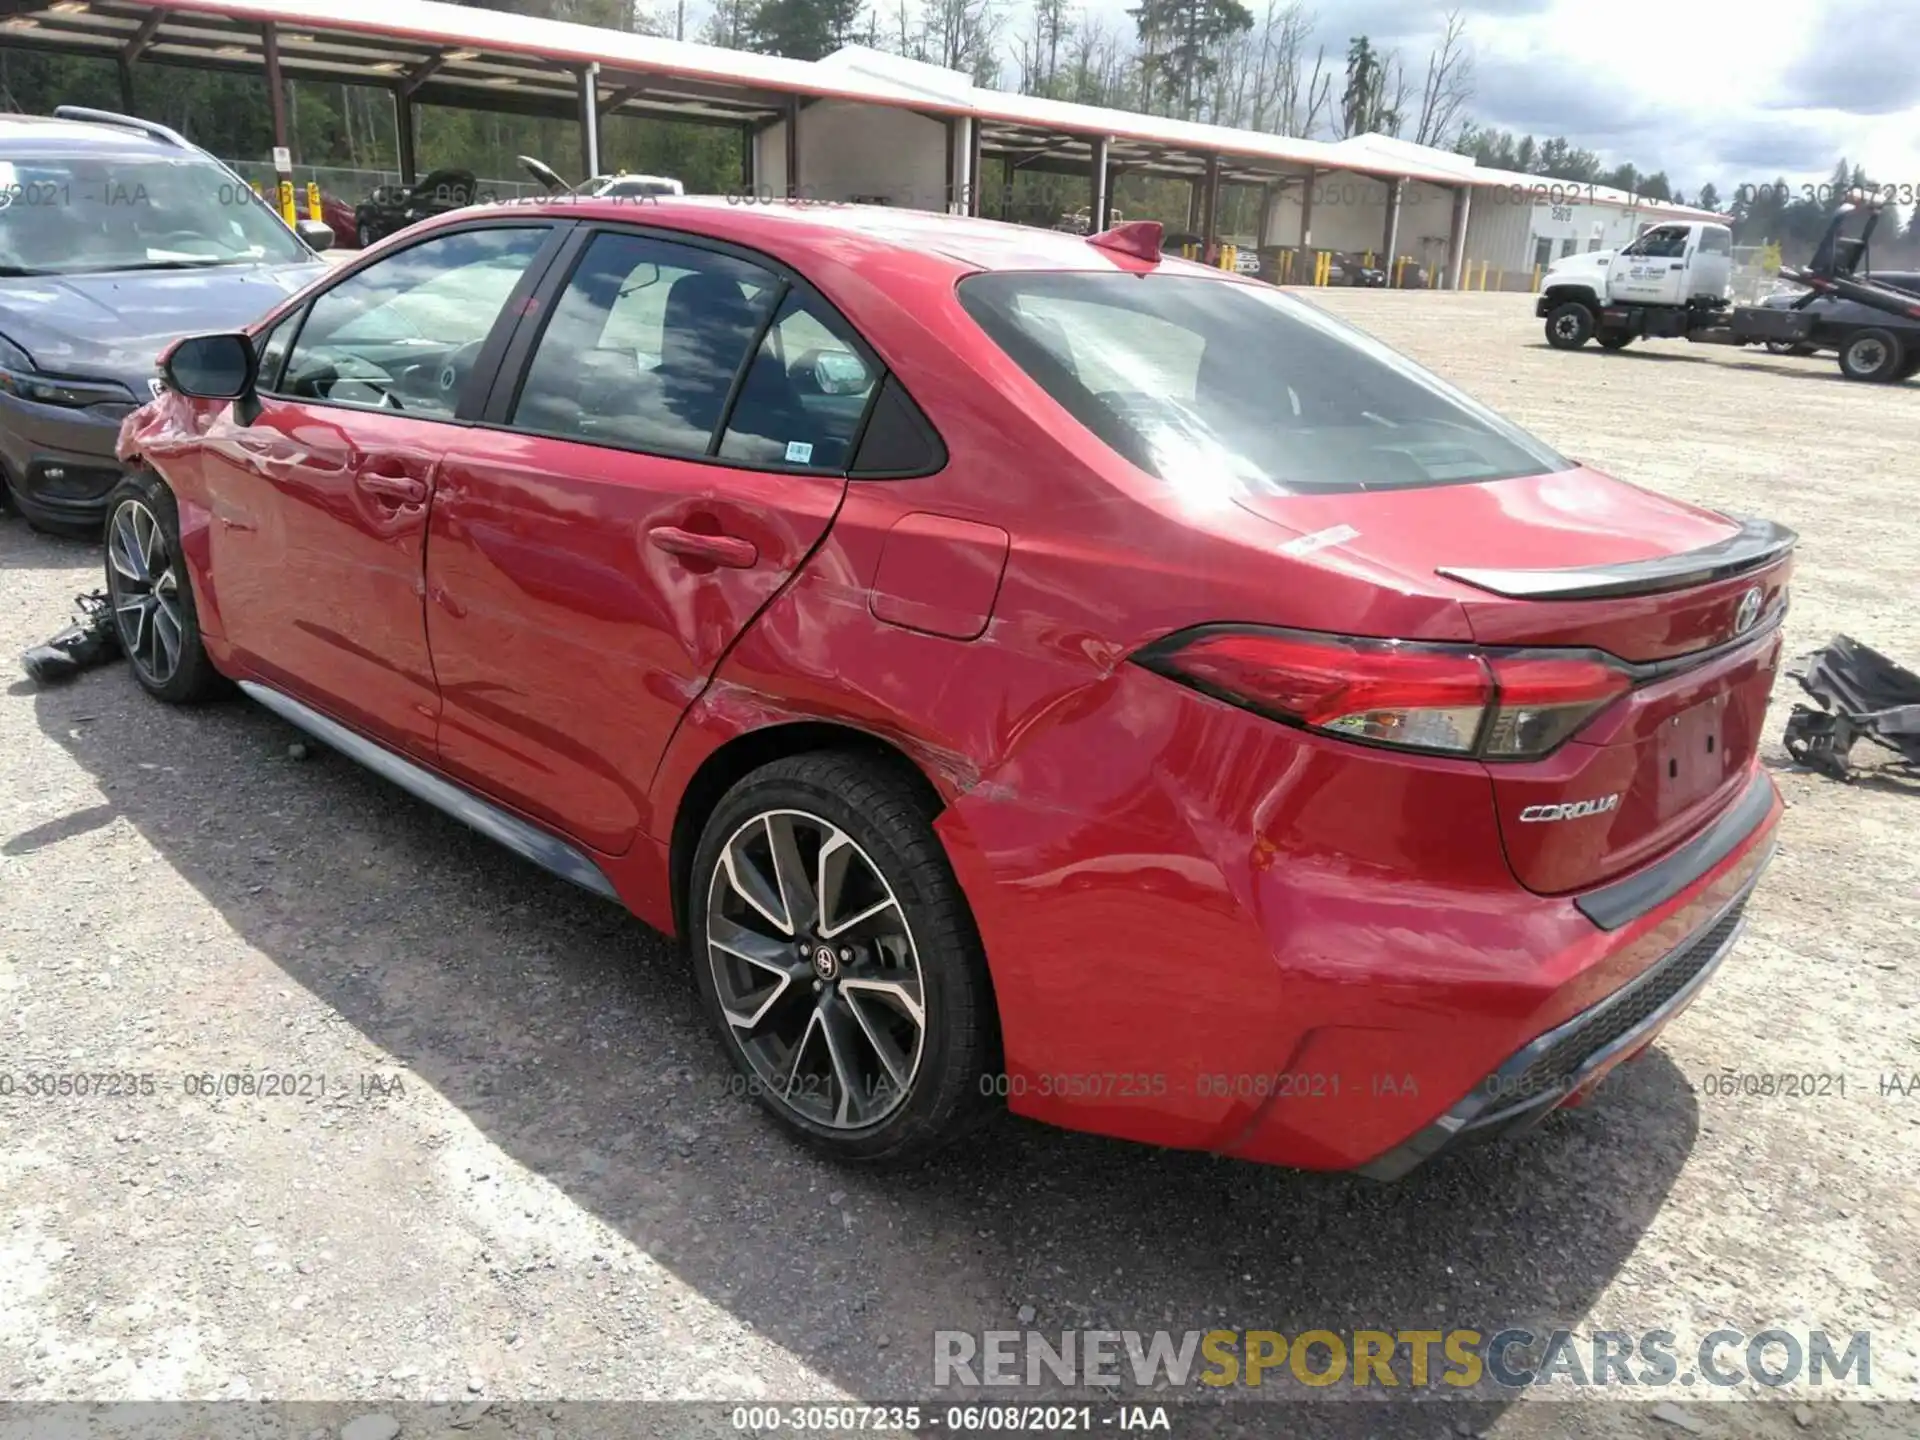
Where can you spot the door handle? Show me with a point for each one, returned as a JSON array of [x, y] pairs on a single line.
[[397, 489], [728, 550]]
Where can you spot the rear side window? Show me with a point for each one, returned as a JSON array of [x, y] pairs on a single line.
[[1716, 242], [644, 344], [804, 394], [1213, 385]]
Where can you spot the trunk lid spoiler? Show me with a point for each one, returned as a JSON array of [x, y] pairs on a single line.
[[1755, 544]]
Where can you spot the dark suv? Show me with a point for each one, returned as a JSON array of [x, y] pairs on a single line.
[[115, 237]]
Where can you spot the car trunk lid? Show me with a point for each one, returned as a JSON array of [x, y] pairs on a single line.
[[1686, 601]]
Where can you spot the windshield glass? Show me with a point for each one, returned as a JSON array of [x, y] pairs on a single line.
[[1212, 383], [69, 214]]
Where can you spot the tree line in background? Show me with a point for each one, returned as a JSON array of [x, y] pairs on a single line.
[[1216, 61]]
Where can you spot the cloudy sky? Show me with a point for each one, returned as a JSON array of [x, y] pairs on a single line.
[[1724, 90]]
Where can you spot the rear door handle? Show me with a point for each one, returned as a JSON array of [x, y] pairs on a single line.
[[728, 550]]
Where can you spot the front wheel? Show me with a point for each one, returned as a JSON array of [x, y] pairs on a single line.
[[1569, 326], [1874, 355], [152, 595], [837, 959]]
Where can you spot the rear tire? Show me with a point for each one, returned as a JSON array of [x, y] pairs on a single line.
[[1614, 339], [152, 595], [1910, 366], [837, 959], [1569, 326], [1875, 355]]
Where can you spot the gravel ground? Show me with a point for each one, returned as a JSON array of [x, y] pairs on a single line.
[[520, 1178]]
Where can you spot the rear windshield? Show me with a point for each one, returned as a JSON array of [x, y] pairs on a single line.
[[1206, 382]]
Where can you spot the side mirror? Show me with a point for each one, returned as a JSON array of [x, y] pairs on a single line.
[[317, 233], [210, 367]]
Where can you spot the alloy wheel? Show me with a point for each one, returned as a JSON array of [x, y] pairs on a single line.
[[145, 592], [816, 971]]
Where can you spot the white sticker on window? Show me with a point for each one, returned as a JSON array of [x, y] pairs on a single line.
[[798, 452]]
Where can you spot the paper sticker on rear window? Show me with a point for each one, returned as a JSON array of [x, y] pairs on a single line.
[[798, 452]]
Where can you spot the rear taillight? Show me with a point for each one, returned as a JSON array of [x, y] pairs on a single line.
[[1442, 699]]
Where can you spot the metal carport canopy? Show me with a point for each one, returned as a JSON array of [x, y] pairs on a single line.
[[427, 52]]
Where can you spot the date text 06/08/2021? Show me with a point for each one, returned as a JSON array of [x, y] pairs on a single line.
[[1114, 1419], [113, 1086]]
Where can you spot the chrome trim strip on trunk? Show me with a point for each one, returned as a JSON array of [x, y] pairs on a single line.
[[1756, 543], [525, 840]]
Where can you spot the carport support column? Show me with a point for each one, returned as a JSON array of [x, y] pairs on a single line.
[[276, 87], [1266, 214], [1101, 181], [590, 118], [1306, 209], [974, 179], [1457, 235], [1390, 239], [793, 146], [1211, 217], [403, 136]]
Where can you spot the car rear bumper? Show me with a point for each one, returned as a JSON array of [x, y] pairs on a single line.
[[1237, 937], [59, 462], [1573, 1057]]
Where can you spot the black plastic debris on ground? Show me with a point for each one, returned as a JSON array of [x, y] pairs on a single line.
[[1862, 695], [87, 641]]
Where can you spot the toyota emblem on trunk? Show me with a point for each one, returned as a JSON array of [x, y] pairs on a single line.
[[1748, 612]]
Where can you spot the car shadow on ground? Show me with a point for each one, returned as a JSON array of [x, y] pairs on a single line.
[[568, 1034], [30, 549], [1796, 364]]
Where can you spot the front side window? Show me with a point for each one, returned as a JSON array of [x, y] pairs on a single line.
[[644, 344], [1663, 242], [1207, 383], [270, 346], [82, 214], [403, 333]]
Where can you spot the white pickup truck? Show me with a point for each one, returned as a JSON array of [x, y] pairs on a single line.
[[1672, 282]]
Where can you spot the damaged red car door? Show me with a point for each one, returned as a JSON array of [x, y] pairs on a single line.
[[320, 488], [665, 445]]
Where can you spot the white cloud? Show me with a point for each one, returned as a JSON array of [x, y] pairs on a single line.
[[1720, 90]]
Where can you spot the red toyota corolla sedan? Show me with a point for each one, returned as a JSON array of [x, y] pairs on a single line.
[[1023, 670]]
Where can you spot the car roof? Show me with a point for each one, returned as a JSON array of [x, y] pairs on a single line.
[[878, 232], [47, 136]]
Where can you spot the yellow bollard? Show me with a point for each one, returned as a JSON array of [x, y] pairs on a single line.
[[1286, 267], [1399, 271], [1324, 274], [1369, 260], [1484, 265], [256, 188], [1500, 280], [313, 201], [1228, 255], [286, 202], [1536, 280]]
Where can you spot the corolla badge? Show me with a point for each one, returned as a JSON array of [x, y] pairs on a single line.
[[1747, 612], [1572, 810]]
